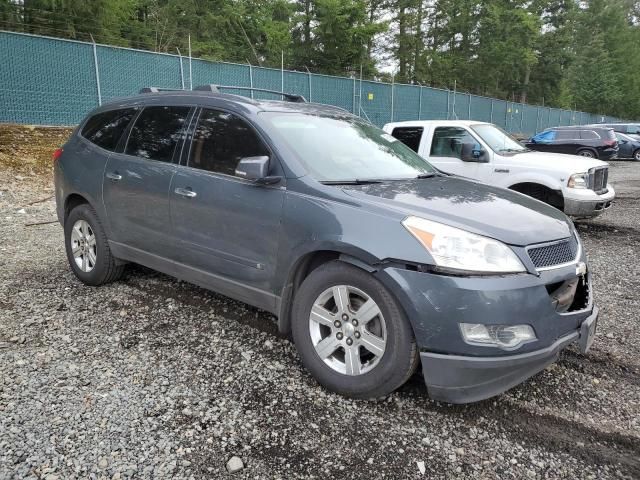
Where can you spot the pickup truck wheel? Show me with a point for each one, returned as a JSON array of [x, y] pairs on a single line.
[[87, 248], [636, 155], [587, 153], [351, 333]]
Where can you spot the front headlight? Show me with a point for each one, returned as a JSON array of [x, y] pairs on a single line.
[[578, 180], [461, 250]]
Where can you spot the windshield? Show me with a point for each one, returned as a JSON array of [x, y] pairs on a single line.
[[345, 148], [497, 139]]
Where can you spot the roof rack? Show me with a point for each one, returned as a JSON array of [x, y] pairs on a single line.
[[289, 97], [158, 89]]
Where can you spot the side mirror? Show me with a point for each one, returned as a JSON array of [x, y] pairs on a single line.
[[256, 169], [472, 152]]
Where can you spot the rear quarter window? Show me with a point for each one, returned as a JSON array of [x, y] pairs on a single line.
[[106, 128], [410, 136], [568, 135]]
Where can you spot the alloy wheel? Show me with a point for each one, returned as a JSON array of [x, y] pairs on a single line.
[[83, 246], [348, 330]]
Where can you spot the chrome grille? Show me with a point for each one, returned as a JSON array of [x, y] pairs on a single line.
[[558, 253], [598, 177]]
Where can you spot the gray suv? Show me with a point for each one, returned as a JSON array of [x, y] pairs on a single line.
[[373, 260]]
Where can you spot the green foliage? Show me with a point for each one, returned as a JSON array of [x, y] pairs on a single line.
[[583, 55]]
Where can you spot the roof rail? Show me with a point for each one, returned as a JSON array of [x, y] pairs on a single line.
[[158, 89], [289, 97]]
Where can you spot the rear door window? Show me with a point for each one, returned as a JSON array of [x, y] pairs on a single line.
[[410, 136], [157, 132], [567, 135], [106, 128], [588, 135], [220, 140], [447, 142]]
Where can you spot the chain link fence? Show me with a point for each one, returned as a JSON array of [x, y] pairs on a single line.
[[50, 81]]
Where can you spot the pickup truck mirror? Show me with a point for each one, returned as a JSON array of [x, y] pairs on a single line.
[[256, 169], [472, 152]]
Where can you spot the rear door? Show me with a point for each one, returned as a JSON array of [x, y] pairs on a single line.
[[567, 141], [136, 181], [227, 226]]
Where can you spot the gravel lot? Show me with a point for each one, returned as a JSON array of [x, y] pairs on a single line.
[[155, 378]]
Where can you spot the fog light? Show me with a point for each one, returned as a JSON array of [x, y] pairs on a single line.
[[508, 337]]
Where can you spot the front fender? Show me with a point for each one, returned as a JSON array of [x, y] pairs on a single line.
[[537, 178]]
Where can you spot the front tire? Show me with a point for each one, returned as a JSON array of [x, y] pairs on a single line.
[[88, 249], [636, 155], [351, 333]]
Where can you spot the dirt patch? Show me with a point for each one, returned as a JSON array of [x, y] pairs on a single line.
[[28, 149]]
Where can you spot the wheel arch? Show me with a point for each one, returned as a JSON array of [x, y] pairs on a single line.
[[533, 189], [306, 264], [591, 149], [72, 201]]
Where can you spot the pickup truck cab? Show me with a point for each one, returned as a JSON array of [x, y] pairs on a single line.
[[482, 151]]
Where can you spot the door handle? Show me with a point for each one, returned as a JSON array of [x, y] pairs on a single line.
[[185, 192], [114, 176]]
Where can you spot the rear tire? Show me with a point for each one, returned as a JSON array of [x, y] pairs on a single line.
[[367, 361], [87, 248], [587, 153], [636, 155]]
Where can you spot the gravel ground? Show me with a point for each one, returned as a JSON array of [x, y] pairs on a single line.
[[150, 377]]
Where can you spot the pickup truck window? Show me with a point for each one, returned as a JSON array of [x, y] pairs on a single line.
[[498, 140], [447, 141], [410, 136]]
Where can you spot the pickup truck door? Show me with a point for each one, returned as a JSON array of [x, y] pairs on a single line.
[[442, 147]]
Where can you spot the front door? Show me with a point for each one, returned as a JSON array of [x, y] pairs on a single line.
[[136, 181], [227, 226]]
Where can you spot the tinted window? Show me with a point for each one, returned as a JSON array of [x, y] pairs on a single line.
[[220, 140], [588, 135], [105, 129], [633, 129], [157, 132], [447, 142], [410, 136], [567, 135]]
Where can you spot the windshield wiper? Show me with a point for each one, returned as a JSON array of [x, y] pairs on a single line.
[[428, 175], [350, 182]]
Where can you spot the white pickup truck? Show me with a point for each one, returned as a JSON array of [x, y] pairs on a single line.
[[576, 185]]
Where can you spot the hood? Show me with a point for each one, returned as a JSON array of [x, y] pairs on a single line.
[[560, 162], [494, 212]]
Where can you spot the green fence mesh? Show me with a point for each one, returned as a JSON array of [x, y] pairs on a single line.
[[50, 81]]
